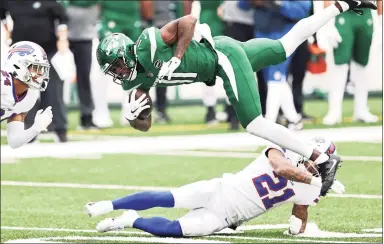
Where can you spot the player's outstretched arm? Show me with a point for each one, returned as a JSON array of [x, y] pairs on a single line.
[[298, 220], [179, 31], [17, 136], [284, 168]]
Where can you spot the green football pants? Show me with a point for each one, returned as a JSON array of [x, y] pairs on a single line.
[[238, 63], [356, 33]]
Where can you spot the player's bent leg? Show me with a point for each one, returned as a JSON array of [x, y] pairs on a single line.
[[241, 88], [308, 26], [159, 226], [201, 222], [137, 201], [263, 52]]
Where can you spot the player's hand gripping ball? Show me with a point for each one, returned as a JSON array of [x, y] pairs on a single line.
[[139, 105]]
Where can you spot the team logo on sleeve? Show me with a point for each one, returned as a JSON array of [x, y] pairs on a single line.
[[22, 50], [158, 64]]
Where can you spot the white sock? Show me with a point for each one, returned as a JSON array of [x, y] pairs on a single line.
[[209, 96], [360, 74], [287, 104], [309, 26], [338, 74], [279, 135], [273, 103]]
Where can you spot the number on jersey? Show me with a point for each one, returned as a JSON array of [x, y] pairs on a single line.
[[5, 78], [272, 186]]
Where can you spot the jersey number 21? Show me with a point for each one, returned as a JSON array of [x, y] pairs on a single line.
[[272, 186]]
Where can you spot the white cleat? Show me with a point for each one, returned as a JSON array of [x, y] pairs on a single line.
[[331, 120], [366, 118], [116, 224], [94, 209]]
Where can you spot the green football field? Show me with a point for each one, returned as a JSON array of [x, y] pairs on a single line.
[[42, 198]]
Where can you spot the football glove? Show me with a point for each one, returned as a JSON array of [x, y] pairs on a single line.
[[168, 68], [327, 172], [294, 225], [43, 119], [135, 107]]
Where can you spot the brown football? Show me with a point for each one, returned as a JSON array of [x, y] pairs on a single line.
[[146, 112]]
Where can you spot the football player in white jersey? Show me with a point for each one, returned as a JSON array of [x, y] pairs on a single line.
[[275, 178], [25, 75]]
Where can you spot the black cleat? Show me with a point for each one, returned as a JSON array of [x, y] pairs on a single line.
[[358, 6], [328, 171]]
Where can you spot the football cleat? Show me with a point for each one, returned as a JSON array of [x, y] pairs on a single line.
[[358, 6], [94, 209], [119, 223], [328, 171]]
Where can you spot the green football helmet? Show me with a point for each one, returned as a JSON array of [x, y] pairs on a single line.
[[116, 55]]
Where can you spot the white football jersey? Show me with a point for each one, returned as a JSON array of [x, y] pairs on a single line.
[[11, 104], [257, 189]]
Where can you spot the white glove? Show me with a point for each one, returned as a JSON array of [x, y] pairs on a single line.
[[7, 101], [43, 119], [328, 37], [168, 68], [135, 107], [338, 187], [316, 181], [294, 225]]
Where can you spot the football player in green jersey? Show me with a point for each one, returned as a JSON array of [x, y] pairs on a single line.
[[169, 57]]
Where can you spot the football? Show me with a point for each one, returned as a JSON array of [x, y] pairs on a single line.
[[146, 112]]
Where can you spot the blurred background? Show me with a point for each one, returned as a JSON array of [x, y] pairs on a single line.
[[86, 102]]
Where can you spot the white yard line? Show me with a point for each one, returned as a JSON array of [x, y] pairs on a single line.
[[139, 188], [182, 142], [231, 154], [376, 230], [177, 240]]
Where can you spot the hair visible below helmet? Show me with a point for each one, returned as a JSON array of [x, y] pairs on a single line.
[[116, 55], [28, 62]]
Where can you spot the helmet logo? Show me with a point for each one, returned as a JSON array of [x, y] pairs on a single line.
[[111, 45], [22, 50]]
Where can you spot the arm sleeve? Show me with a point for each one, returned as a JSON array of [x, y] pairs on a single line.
[[17, 136], [295, 10]]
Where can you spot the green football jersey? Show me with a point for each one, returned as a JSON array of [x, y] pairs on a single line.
[[199, 63]]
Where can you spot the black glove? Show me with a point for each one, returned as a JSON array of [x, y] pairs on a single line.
[[327, 172]]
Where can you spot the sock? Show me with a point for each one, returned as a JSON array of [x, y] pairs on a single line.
[[287, 104], [359, 74], [306, 27], [273, 100], [145, 200], [279, 135], [209, 96], [338, 74], [159, 226]]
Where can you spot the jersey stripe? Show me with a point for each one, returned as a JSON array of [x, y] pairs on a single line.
[[165, 81], [228, 69], [152, 40], [184, 75]]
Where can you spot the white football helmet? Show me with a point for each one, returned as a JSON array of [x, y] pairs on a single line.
[[28, 62]]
